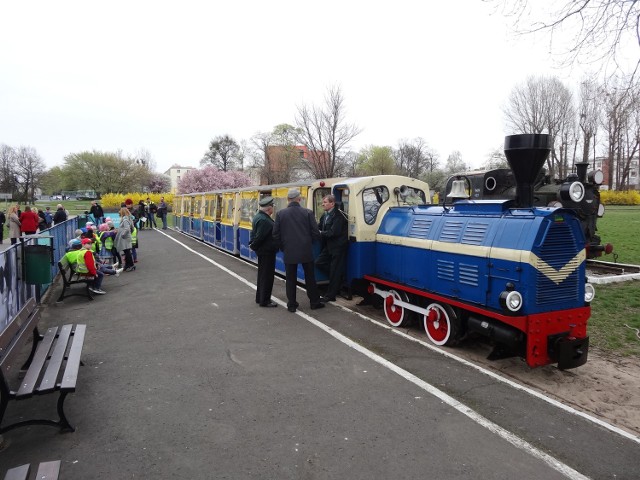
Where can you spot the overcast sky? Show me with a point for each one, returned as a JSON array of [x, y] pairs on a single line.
[[167, 77]]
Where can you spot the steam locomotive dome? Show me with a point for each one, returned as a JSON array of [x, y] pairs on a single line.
[[476, 250]]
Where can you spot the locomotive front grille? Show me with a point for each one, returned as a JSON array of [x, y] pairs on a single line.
[[558, 268]]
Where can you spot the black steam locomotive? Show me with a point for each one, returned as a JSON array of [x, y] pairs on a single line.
[[579, 192]]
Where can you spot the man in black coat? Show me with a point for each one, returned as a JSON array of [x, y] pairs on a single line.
[[60, 215], [333, 257], [97, 212], [262, 242], [3, 220], [296, 229]]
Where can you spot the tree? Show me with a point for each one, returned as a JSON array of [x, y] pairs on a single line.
[[276, 154], [223, 153], [598, 30], [414, 157], [544, 104], [455, 164], [589, 116], [619, 121], [28, 172], [8, 178], [496, 159], [159, 183], [210, 178], [52, 181], [326, 134], [104, 172], [375, 160]]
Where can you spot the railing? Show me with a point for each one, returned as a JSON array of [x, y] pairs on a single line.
[[14, 290]]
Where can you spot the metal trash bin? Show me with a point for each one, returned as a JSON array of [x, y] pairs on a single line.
[[37, 261], [82, 220]]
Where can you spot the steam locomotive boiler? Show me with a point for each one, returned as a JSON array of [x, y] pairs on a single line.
[[579, 191], [505, 269]]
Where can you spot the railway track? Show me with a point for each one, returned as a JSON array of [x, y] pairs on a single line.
[[607, 272]]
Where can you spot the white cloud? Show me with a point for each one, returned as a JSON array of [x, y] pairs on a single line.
[[169, 76]]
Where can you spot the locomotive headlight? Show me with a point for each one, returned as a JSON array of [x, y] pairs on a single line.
[[512, 300], [573, 192], [589, 292], [596, 176]]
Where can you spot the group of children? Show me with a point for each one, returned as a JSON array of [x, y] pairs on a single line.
[[91, 250]]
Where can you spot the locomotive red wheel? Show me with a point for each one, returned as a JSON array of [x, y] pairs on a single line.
[[395, 314], [441, 324]]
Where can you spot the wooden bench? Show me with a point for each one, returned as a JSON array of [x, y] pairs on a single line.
[[71, 277], [52, 365], [46, 470]]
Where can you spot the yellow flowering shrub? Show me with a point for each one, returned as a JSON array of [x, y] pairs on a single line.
[[615, 197]]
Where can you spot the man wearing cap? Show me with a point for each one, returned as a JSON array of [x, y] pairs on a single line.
[[261, 241], [295, 229]]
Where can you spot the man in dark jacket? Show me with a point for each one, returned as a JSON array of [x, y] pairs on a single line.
[[60, 215], [295, 229], [261, 241], [3, 220], [97, 212], [332, 259]]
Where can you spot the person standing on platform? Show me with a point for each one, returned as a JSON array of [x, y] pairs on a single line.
[[262, 242], [152, 209], [60, 215], [29, 221], [123, 238], [162, 212], [335, 243], [295, 229], [14, 224], [97, 212], [48, 217], [3, 220]]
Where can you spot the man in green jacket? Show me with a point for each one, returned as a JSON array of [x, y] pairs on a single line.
[[262, 242]]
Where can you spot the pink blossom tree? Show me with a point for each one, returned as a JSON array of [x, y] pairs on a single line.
[[210, 178]]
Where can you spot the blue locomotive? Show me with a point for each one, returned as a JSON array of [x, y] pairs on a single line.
[[506, 269]]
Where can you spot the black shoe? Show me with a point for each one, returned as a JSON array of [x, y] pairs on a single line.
[[327, 299], [317, 306], [292, 309], [270, 304]]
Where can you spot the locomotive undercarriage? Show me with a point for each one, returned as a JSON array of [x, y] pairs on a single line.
[[447, 324]]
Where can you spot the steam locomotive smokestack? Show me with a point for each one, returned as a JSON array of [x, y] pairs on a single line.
[[526, 154]]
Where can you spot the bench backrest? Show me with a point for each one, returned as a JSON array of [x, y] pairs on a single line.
[[17, 332]]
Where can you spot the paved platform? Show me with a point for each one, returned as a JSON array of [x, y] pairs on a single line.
[[186, 377]]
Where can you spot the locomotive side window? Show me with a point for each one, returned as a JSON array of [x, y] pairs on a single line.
[[372, 199], [318, 195], [415, 196]]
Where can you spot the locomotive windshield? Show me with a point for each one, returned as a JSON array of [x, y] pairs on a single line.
[[372, 198]]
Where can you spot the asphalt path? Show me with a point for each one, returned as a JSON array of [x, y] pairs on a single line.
[[186, 377]]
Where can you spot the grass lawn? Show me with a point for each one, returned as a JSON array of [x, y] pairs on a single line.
[[620, 227], [618, 304]]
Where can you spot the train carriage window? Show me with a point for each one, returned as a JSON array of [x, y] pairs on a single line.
[[229, 209], [372, 199], [248, 208], [218, 208]]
